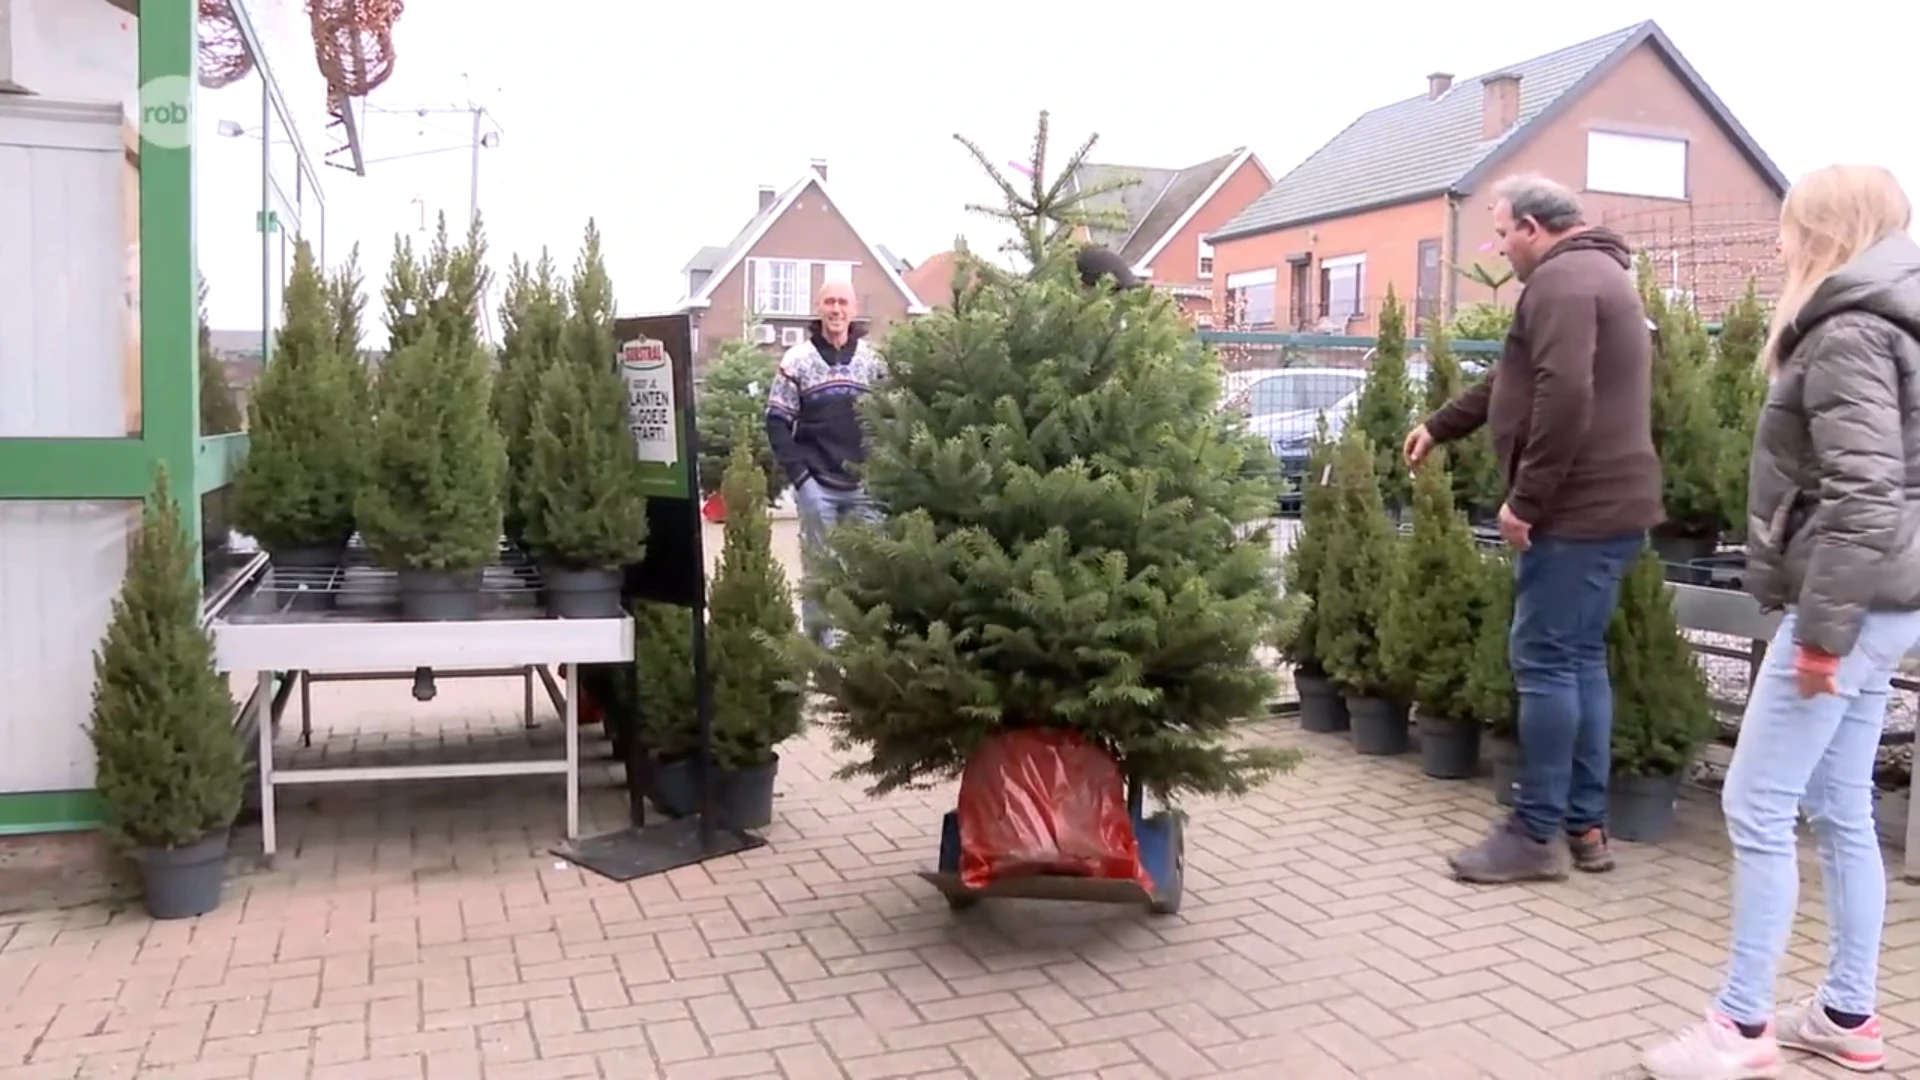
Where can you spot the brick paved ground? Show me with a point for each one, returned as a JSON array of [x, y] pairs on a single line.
[[421, 932]]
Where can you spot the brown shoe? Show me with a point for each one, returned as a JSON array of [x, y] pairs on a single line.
[[1591, 852], [1509, 855]]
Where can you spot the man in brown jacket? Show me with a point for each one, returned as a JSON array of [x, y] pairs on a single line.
[[1568, 404]]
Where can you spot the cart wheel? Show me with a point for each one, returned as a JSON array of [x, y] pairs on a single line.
[[962, 901], [1166, 900]]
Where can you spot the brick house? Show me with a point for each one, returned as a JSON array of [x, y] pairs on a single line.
[[766, 278], [1401, 195], [1165, 214]]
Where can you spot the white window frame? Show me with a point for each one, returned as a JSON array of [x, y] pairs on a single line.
[[836, 273], [771, 297], [1203, 261], [1646, 166], [1328, 269], [1249, 279]]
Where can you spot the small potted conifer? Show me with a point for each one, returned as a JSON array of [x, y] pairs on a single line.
[[1433, 625], [1323, 708], [1489, 688], [666, 704], [295, 492], [533, 319], [1662, 713], [167, 765], [1352, 607], [583, 503], [752, 643], [430, 507], [733, 398]]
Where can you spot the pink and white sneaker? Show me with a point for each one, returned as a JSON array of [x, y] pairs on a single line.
[[1805, 1025], [1714, 1049]]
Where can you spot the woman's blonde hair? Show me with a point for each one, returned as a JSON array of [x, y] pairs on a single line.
[[1829, 218]]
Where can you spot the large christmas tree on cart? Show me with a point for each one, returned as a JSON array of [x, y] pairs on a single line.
[[1071, 542]]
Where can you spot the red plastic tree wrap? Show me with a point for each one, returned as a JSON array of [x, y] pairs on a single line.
[[353, 42], [224, 59], [1045, 802]]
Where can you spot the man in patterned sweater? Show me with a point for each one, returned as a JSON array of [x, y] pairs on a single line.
[[813, 423]]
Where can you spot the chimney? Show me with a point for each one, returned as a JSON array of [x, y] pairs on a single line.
[[1500, 105], [1438, 83], [766, 198], [820, 166]]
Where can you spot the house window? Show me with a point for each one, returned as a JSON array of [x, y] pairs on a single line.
[[779, 287], [1342, 286], [1250, 297], [1426, 305], [1641, 165], [837, 273], [1300, 292], [1206, 259]]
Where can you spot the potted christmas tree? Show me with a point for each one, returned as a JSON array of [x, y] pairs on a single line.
[[753, 644], [1489, 688], [1739, 392], [533, 318], [347, 305], [431, 504], [1686, 432], [733, 398], [1662, 714], [295, 492], [1352, 606], [1471, 461], [583, 504], [1323, 708], [1432, 626], [663, 674], [1071, 540], [167, 766], [1385, 408]]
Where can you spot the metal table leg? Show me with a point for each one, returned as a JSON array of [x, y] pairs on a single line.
[[262, 703], [573, 750], [306, 706], [526, 680]]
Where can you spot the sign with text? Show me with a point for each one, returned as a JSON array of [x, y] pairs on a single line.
[[648, 374]]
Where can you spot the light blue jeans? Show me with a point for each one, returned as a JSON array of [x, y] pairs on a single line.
[[821, 508], [1817, 755]]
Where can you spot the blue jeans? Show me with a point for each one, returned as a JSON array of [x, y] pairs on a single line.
[[1564, 594], [1813, 754], [821, 508]]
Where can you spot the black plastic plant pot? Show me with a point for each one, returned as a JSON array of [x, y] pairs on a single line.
[[743, 798], [1640, 809], [1323, 709], [583, 594], [439, 595], [1449, 748], [1380, 727], [319, 557], [673, 786], [184, 882]]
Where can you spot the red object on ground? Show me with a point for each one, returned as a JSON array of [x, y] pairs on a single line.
[[589, 709], [714, 509], [1045, 802]]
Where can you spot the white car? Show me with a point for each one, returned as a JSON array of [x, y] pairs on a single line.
[[1284, 406]]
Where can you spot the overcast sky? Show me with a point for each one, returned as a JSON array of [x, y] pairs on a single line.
[[661, 120]]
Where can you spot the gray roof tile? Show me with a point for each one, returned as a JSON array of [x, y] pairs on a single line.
[[1417, 146], [1150, 205]]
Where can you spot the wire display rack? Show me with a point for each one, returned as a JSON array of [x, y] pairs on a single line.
[[358, 588], [341, 623]]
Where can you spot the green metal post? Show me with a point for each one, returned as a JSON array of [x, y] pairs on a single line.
[[169, 305]]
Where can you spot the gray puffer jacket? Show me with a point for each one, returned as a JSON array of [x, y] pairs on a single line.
[[1833, 499]]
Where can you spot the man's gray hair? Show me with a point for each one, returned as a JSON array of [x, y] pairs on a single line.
[[1549, 202]]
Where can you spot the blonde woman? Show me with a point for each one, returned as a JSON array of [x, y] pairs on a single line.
[[1833, 525]]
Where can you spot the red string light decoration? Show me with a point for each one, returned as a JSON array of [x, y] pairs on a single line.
[[224, 59], [353, 41]]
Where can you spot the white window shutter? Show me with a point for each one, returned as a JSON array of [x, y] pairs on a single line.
[[802, 287]]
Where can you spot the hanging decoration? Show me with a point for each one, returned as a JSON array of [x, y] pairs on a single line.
[[224, 59], [353, 41]]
